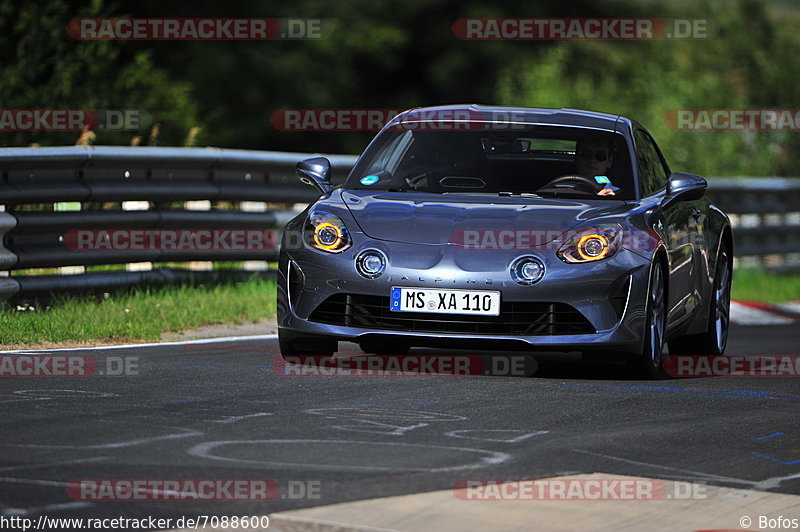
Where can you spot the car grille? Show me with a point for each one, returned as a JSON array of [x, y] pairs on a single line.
[[516, 318]]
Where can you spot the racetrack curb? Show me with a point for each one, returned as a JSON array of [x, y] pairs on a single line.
[[760, 313]]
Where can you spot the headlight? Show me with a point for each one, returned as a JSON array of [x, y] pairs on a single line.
[[592, 244], [527, 270], [371, 263], [326, 232]]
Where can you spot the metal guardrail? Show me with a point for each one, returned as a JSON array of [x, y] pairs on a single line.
[[111, 173], [766, 211], [100, 179]]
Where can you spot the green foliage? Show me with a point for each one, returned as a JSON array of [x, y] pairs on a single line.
[[747, 65], [43, 68], [404, 54]]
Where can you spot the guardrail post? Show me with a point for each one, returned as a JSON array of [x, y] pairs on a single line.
[[199, 205], [8, 259], [139, 205], [254, 206], [69, 206]]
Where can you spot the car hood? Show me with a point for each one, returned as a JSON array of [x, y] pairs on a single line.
[[425, 218]]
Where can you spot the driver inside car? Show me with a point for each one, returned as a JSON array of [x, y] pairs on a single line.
[[593, 158]]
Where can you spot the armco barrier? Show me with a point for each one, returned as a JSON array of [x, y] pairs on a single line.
[[99, 179], [766, 218]]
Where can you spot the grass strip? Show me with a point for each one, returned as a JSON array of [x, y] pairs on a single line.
[[758, 285], [139, 314]]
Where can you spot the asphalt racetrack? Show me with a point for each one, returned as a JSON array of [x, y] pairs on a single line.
[[223, 410]]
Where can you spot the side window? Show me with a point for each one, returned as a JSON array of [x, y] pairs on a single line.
[[652, 173], [662, 164]]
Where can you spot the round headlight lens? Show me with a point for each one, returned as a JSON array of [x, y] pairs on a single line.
[[328, 235], [527, 270], [371, 263], [326, 232], [591, 244], [592, 247]]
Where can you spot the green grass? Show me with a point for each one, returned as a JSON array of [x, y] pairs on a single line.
[[139, 315], [757, 285]]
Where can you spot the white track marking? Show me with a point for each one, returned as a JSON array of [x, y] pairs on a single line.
[[34, 481], [770, 483], [206, 450], [382, 414], [520, 435], [774, 482], [11, 512], [187, 433], [375, 427], [234, 419], [154, 344], [52, 464]]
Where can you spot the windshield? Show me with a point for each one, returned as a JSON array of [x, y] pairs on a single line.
[[590, 164]]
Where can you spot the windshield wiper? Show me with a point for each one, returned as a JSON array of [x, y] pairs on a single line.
[[522, 194], [567, 194]]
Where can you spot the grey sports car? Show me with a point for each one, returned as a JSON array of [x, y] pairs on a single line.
[[508, 228]]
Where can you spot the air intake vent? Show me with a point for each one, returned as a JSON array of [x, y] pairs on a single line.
[[516, 318]]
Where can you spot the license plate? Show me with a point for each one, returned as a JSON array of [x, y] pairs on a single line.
[[481, 302]]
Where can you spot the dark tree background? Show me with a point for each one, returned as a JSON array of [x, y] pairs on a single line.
[[404, 54]]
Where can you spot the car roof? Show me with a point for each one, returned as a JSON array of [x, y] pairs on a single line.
[[519, 115]]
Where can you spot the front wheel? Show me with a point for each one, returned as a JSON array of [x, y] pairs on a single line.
[[713, 341], [649, 364]]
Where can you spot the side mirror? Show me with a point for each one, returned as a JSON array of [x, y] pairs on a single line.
[[315, 172], [686, 187]]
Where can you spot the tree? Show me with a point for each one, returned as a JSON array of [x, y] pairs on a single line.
[[43, 68]]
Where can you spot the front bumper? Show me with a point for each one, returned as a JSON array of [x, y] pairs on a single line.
[[610, 294]]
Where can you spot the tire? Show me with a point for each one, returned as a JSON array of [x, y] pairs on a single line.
[[649, 365], [713, 341], [307, 347], [384, 349]]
